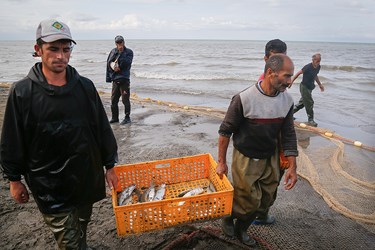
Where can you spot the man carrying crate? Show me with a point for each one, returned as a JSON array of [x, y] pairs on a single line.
[[256, 117]]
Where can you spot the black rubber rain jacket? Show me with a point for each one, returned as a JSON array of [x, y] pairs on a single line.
[[59, 139]]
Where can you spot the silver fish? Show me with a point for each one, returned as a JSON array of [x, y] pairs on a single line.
[[130, 199], [149, 194], [192, 192], [211, 188], [160, 192], [126, 195], [183, 193]]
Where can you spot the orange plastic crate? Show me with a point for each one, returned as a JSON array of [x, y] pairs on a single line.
[[178, 174]]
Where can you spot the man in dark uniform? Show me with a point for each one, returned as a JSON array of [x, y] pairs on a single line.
[[119, 63]]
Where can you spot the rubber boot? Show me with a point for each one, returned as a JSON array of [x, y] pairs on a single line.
[[115, 112], [264, 219], [126, 120], [83, 225], [227, 225], [311, 121], [240, 230]]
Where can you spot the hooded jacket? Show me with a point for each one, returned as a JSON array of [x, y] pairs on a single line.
[[59, 139]]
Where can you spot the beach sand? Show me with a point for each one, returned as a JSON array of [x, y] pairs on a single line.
[[304, 220]]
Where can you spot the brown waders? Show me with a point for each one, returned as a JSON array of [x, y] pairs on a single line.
[[255, 182], [70, 228]]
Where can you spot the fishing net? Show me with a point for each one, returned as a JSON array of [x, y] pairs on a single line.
[[341, 170], [344, 176]]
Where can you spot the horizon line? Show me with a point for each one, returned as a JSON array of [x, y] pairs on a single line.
[[200, 39]]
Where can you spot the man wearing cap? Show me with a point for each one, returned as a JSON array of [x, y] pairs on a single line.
[[57, 136], [119, 62]]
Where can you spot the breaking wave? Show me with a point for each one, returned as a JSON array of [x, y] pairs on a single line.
[[346, 68], [189, 77]]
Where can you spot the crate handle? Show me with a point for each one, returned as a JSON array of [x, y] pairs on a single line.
[[163, 165]]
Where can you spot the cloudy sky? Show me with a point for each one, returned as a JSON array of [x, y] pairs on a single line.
[[289, 20]]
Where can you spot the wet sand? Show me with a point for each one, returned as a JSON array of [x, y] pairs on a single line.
[[304, 220]]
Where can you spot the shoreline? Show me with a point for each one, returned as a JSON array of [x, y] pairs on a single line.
[[347, 135]]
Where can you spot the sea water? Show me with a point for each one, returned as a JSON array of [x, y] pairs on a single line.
[[210, 72]]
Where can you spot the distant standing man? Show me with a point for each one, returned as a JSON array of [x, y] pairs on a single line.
[[310, 75], [119, 63], [275, 46], [256, 117], [57, 136]]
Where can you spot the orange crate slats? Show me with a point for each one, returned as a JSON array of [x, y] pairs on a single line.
[[179, 174], [163, 171]]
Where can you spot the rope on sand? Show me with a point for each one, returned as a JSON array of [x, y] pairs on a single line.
[[329, 134], [178, 107], [219, 113]]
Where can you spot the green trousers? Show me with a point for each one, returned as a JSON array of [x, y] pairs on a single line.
[[306, 101], [69, 228]]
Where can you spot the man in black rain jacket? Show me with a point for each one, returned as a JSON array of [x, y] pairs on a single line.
[[56, 134]]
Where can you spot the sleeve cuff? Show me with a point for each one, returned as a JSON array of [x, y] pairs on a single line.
[[13, 177], [109, 166], [291, 153], [226, 134]]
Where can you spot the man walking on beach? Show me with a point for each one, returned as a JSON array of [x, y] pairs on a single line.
[[310, 75], [57, 136], [119, 62], [275, 46], [256, 118]]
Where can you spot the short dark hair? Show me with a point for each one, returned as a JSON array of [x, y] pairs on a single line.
[[276, 46], [40, 42], [275, 63]]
